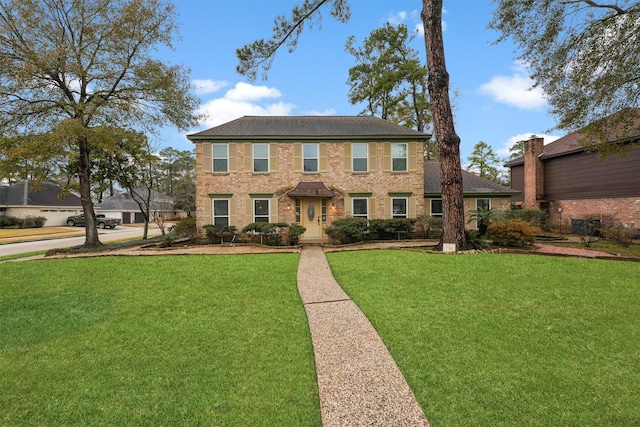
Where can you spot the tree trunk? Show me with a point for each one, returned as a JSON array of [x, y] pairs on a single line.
[[447, 141], [84, 176]]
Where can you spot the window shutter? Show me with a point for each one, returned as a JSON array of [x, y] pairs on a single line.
[[372, 208], [233, 161], [297, 157], [373, 159], [387, 207], [248, 211], [208, 202], [233, 211], [207, 162], [348, 206], [386, 165], [273, 160], [413, 156], [248, 157], [322, 153], [412, 207], [273, 210], [347, 156]]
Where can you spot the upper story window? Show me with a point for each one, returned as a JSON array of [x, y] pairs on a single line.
[[310, 158], [260, 158], [436, 208], [399, 157], [399, 207], [220, 212], [261, 210], [359, 157], [220, 157], [360, 207]]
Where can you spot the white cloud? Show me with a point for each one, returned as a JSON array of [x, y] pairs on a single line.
[[203, 87], [515, 90], [397, 18], [244, 100], [504, 151], [327, 112]]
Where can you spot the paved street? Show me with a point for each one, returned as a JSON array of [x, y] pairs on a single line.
[[106, 235]]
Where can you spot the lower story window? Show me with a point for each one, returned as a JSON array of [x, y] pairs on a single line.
[[261, 210], [399, 207], [484, 204], [436, 208], [361, 208], [221, 212]]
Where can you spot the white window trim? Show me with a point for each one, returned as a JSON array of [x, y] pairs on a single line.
[[261, 158], [214, 158], [353, 208], [406, 207], [268, 216], [213, 211], [366, 157], [406, 157], [483, 198], [317, 158]]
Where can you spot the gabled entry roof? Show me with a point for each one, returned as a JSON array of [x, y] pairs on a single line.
[[249, 128], [310, 189]]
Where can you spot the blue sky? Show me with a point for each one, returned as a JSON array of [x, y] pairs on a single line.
[[493, 102]]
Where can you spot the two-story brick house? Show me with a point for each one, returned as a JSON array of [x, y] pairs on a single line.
[[308, 170]]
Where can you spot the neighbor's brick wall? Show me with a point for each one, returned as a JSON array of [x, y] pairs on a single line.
[[623, 210], [242, 183]]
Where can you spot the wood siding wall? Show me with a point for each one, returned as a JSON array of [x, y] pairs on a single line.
[[584, 176], [517, 182]]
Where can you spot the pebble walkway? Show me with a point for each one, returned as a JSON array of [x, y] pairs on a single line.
[[359, 382]]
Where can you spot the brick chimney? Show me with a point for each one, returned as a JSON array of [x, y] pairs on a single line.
[[533, 173]]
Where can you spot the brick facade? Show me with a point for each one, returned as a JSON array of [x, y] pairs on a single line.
[[533, 173], [621, 210]]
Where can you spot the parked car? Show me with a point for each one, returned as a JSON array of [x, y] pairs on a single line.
[[101, 220]]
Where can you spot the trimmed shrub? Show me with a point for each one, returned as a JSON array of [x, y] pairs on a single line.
[[347, 230], [392, 229], [216, 234], [185, 227], [534, 217], [427, 225], [28, 222], [271, 233], [295, 231], [512, 233]]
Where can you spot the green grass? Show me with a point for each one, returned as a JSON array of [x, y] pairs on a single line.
[[183, 340], [506, 340], [23, 255]]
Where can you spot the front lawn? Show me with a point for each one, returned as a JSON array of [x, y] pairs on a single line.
[[182, 340], [506, 340]]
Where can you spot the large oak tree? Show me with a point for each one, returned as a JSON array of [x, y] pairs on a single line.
[[260, 54], [74, 65], [584, 54]]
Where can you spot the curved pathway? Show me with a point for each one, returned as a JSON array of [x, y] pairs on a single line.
[[359, 383]]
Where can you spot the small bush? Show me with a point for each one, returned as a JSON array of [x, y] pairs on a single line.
[[474, 240], [391, 229], [427, 225], [295, 231], [347, 230], [8, 221], [271, 233], [512, 233], [534, 217], [619, 234], [28, 222], [216, 234], [185, 227]]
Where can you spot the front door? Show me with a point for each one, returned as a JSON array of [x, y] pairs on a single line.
[[312, 217]]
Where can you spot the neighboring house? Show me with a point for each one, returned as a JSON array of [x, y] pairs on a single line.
[[125, 207], [33, 199], [478, 192], [314, 170], [307, 170], [570, 183]]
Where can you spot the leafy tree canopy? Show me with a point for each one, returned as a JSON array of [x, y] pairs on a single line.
[[585, 54]]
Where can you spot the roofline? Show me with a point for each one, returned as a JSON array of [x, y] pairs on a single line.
[[289, 138]]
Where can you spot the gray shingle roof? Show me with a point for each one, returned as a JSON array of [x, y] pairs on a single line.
[[40, 194], [125, 202], [308, 127], [472, 184]]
